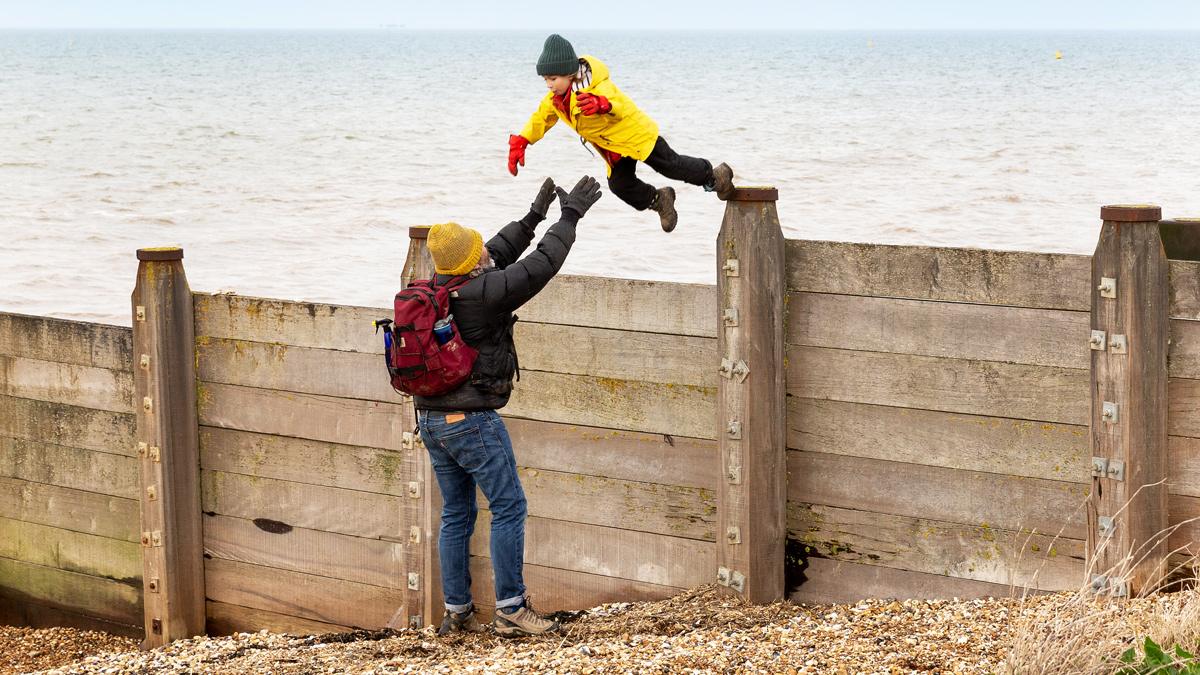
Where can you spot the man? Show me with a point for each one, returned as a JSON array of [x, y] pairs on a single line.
[[467, 441]]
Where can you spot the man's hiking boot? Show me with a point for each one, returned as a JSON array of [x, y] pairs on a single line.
[[664, 204], [722, 182], [522, 623], [455, 622]]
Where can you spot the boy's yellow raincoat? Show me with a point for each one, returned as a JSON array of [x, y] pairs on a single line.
[[626, 130]]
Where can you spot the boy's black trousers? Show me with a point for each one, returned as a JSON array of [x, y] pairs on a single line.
[[625, 184]]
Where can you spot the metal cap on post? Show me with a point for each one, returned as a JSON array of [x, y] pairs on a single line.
[[1127, 505], [168, 452], [751, 410]]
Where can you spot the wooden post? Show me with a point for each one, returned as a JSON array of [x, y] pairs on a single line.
[[168, 447], [1127, 508], [752, 415], [1181, 238], [419, 265]]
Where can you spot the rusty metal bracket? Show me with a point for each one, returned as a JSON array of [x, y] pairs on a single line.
[[731, 267]]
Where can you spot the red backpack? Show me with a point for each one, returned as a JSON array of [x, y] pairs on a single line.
[[418, 363]]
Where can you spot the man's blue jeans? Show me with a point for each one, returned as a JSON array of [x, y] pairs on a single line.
[[466, 450]]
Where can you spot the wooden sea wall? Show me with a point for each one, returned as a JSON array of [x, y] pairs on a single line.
[[311, 492], [938, 409], [612, 425], [69, 551]]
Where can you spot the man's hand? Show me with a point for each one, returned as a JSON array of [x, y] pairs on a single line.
[[516, 152], [585, 193], [593, 104], [541, 203]]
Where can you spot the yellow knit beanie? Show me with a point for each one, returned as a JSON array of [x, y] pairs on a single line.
[[455, 249]]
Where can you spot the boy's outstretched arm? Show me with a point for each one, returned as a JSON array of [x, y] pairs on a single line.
[[512, 240], [537, 126]]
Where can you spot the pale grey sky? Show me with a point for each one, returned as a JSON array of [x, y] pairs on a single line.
[[575, 15]]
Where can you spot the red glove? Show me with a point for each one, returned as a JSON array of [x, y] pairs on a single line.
[[592, 104], [516, 152]]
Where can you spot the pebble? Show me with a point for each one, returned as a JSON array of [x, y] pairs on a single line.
[[699, 631]]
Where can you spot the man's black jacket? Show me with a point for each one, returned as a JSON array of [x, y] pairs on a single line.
[[483, 309]]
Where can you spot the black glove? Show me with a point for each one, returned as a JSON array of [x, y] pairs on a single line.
[[585, 193], [541, 203]]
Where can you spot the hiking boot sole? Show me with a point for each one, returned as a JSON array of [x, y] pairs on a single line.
[[668, 217], [723, 181]]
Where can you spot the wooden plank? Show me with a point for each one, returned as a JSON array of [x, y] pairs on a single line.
[[313, 507], [607, 551], [1184, 526], [617, 354], [297, 369], [17, 610], [953, 440], [300, 324], [554, 589], [610, 453], [626, 304], [326, 554], [1014, 278], [1183, 466], [629, 505], [333, 601], [979, 552], [71, 551], [62, 341], [227, 619], [950, 495], [1183, 359], [612, 354], [304, 461], [834, 582], [1183, 401], [84, 386], [62, 424], [319, 418], [70, 509], [949, 385], [677, 410], [89, 470], [93, 596], [948, 329], [1184, 291]]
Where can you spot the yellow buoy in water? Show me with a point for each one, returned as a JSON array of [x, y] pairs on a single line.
[[1058, 55]]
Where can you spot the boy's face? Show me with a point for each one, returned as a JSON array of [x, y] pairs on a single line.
[[559, 84]]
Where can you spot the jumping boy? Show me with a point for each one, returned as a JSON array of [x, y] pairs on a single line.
[[582, 95]]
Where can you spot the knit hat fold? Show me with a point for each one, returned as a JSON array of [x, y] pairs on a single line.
[[558, 57], [455, 249]]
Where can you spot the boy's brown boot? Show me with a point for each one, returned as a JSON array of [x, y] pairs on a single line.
[[664, 204], [522, 623], [723, 181]]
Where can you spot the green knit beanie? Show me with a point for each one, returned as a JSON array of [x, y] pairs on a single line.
[[558, 57]]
